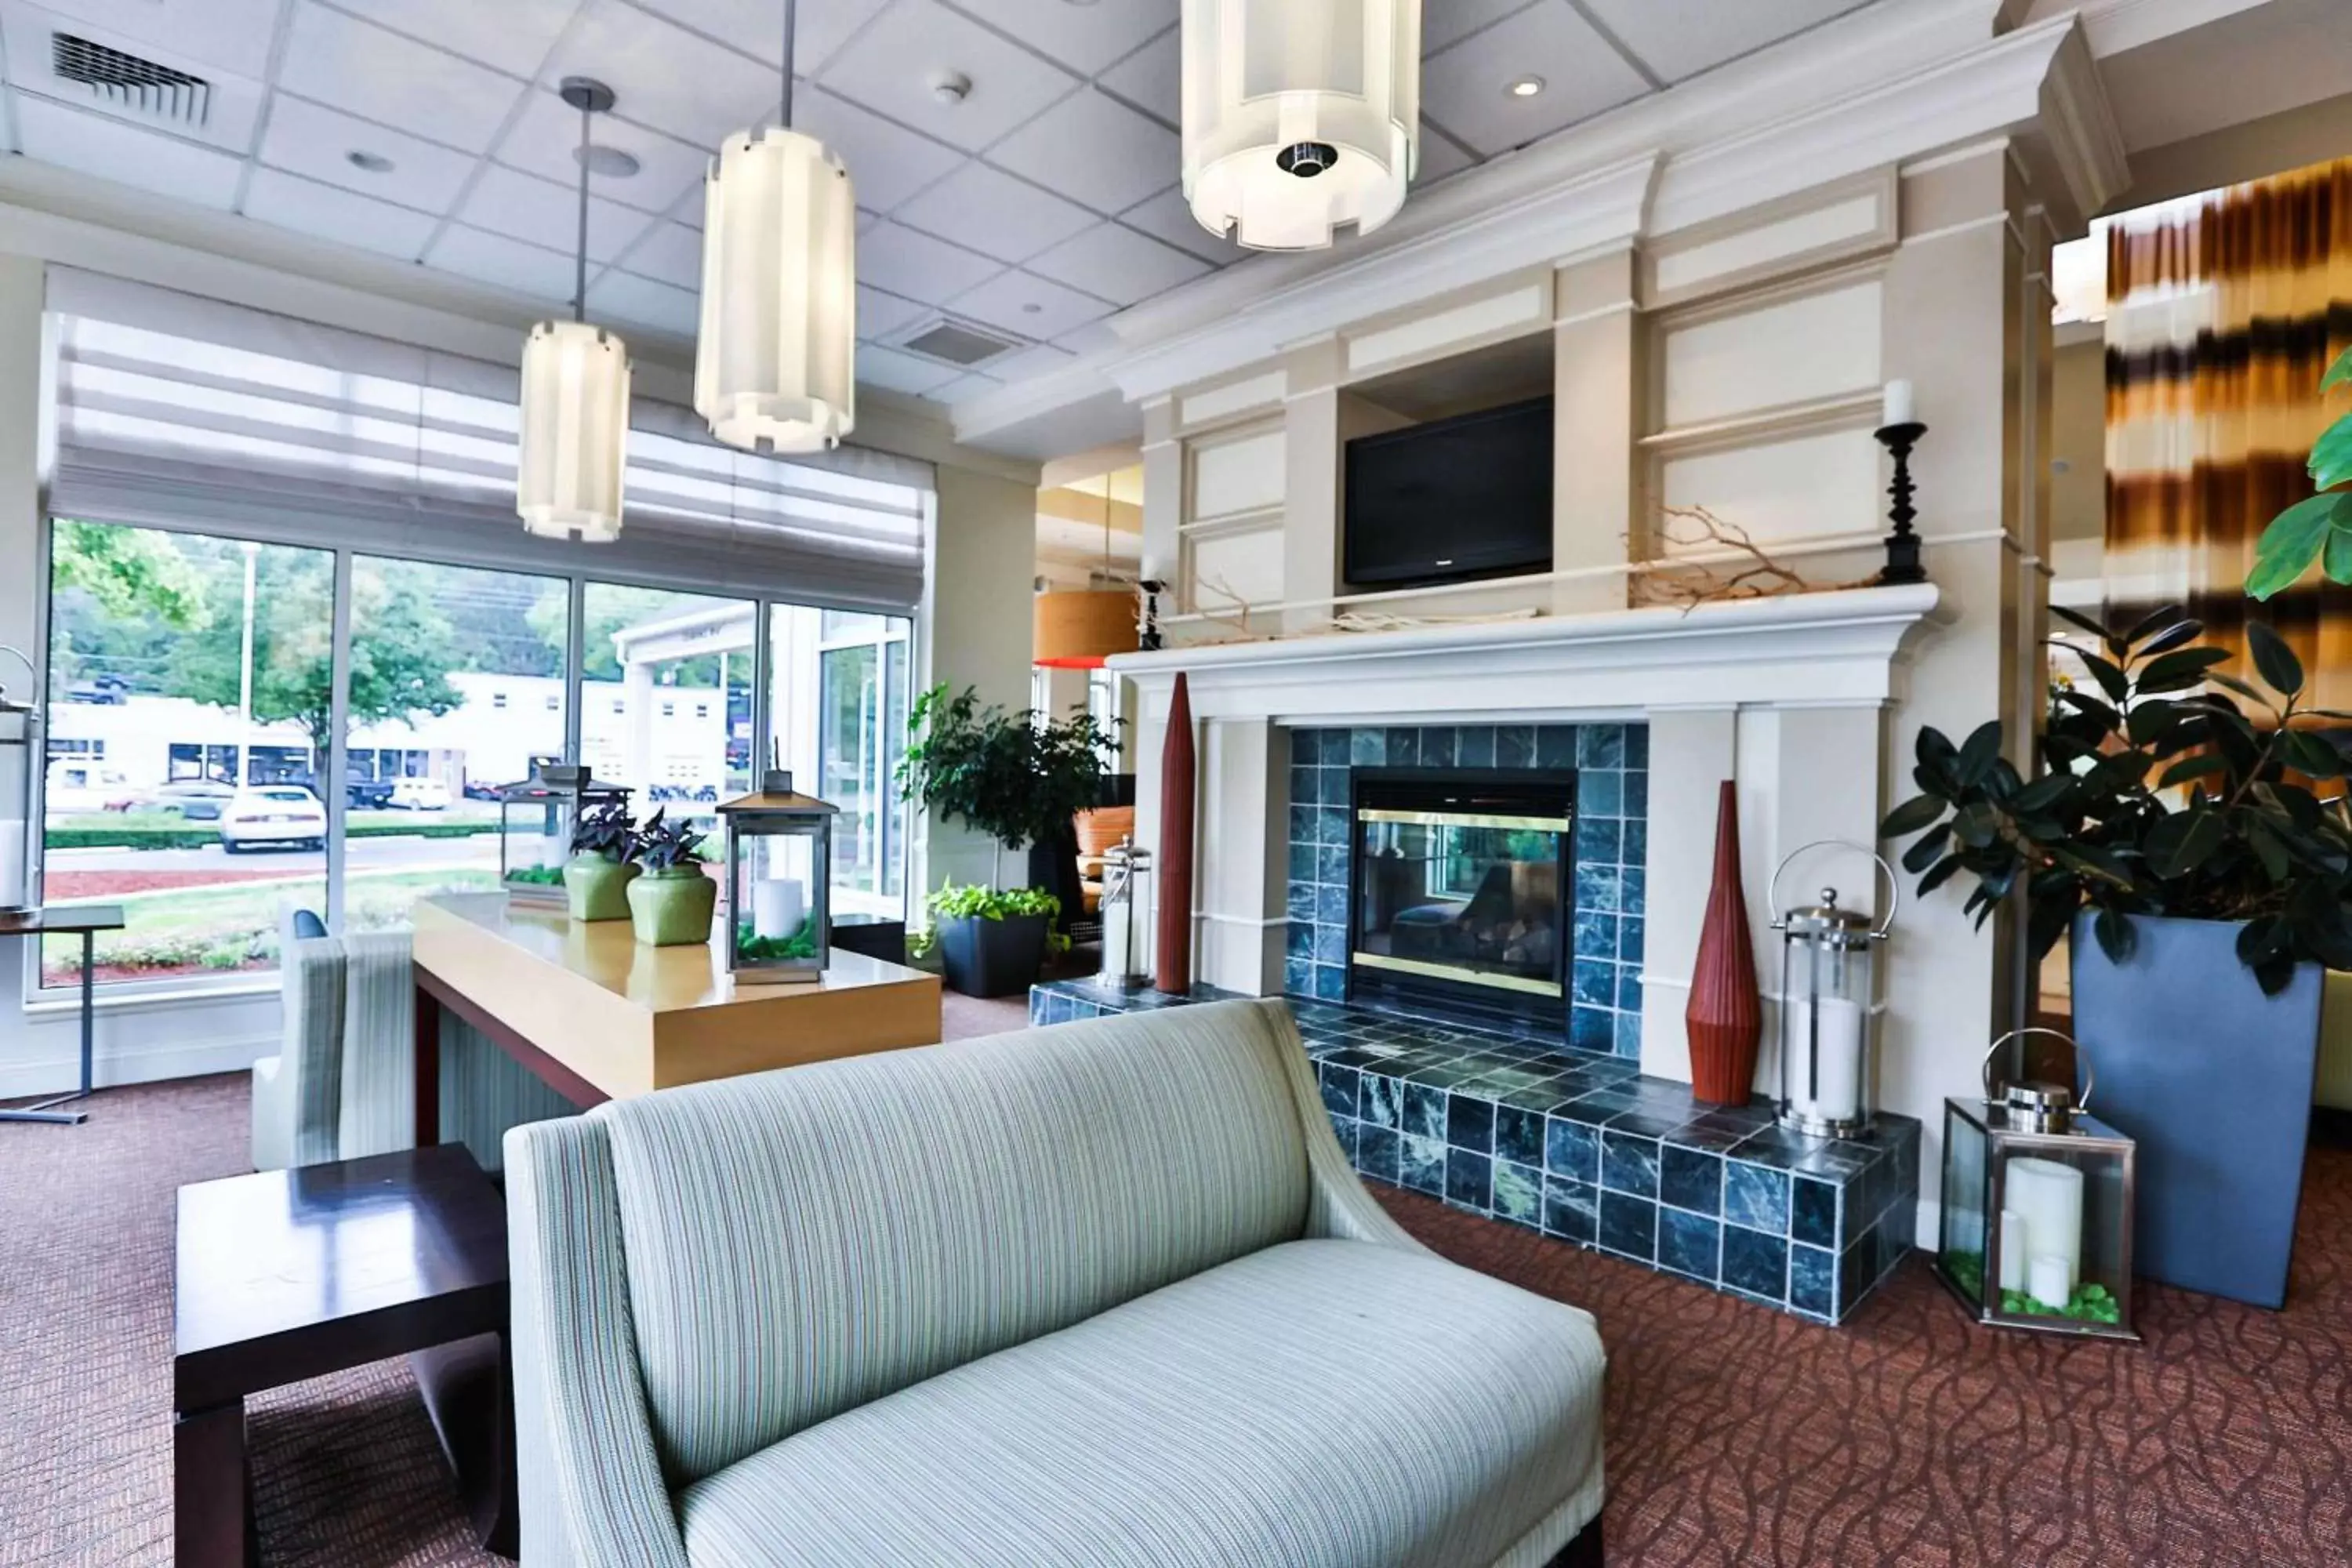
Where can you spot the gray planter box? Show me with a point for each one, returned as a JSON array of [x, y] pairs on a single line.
[[2213, 1080]]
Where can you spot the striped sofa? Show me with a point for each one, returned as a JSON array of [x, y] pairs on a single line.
[[1094, 1296]]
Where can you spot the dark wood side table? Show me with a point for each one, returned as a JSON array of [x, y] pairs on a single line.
[[89, 920], [288, 1275]]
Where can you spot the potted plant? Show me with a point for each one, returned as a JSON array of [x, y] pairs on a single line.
[[596, 878], [671, 904], [2186, 833], [1020, 780]]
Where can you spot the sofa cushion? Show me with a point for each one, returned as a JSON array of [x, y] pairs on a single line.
[[1319, 1404], [803, 1241]]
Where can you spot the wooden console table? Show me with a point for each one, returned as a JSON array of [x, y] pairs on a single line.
[[599, 1017]]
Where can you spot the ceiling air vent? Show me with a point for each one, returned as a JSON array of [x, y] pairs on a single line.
[[129, 82], [954, 342]]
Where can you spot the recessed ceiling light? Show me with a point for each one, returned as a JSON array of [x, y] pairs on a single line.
[[950, 86], [370, 163], [1033, 309], [1526, 87], [609, 161]]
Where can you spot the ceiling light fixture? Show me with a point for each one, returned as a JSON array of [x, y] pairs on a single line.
[[1526, 87], [775, 362], [575, 393], [607, 163], [1301, 116], [368, 162]]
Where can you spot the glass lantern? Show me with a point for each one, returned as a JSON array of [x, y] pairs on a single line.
[[535, 823], [1829, 1015], [2037, 1203], [20, 737], [780, 881], [1125, 867]]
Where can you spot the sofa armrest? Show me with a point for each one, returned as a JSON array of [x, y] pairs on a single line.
[[310, 1088], [1338, 1206], [591, 1484]]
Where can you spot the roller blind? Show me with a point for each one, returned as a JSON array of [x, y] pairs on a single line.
[[178, 410]]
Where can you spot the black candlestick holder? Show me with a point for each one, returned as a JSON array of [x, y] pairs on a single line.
[[1903, 564], [1149, 641]]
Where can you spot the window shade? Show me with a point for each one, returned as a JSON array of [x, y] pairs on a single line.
[[175, 409]]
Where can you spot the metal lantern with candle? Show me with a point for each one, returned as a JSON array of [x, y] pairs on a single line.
[[20, 736], [1828, 1022], [2037, 1206], [779, 879], [1124, 867], [537, 819]]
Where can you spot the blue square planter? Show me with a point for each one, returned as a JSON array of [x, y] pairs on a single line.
[[2213, 1080]]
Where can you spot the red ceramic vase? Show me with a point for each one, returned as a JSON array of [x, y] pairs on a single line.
[[1725, 1015]]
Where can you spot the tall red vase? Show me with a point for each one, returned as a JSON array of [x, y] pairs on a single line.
[[1725, 1015], [1179, 771]]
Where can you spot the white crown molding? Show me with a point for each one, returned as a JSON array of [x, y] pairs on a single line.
[[1937, 74]]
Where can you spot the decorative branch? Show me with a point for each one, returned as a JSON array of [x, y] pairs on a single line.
[[1751, 574]]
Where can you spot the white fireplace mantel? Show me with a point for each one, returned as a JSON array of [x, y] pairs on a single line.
[[1841, 649]]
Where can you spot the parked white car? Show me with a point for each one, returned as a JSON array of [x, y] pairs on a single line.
[[287, 814], [84, 786], [419, 794]]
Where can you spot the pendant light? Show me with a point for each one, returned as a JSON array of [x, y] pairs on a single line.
[[575, 395], [1301, 116], [1079, 628], [775, 364]]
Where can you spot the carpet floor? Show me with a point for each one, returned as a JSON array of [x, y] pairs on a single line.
[[1736, 1436]]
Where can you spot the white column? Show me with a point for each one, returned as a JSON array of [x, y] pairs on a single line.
[[1692, 752], [978, 630], [1241, 868]]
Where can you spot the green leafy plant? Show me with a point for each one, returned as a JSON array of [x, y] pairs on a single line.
[[2172, 789], [664, 846], [537, 876], [1010, 775], [951, 902], [2320, 528], [605, 831]]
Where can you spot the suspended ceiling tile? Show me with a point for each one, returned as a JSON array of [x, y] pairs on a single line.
[[510, 264], [377, 75], [1679, 38], [302, 138], [1168, 216], [896, 372], [881, 315], [669, 253], [887, 163], [664, 76], [234, 35], [1028, 305], [757, 26], [1450, 21], [890, 66], [1033, 360], [963, 387], [1440, 155], [522, 207], [109, 150], [918, 267], [511, 36], [1465, 88], [994, 213], [328, 212], [1094, 149], [1153, 79], [626, 299], [545, 140], [1084, 35], [1117, 264]]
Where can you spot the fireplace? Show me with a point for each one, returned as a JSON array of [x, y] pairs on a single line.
[[1460, 892]]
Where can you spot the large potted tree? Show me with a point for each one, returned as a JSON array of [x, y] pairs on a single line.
[[1018, 779], [2186, 834]]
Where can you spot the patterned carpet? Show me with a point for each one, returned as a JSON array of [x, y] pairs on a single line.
[[1736, 1436]]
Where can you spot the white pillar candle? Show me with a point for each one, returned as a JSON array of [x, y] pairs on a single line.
[[1898, 408], [12, 891], [2015, 1233], [2053, 1280], [1831, 1089], [777, 908], [1114, 938], [2050, 1195]]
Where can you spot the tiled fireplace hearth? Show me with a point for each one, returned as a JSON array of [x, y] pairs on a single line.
[[1583, 1148]]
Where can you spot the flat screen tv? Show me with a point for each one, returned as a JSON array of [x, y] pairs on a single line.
[[1453, 499]]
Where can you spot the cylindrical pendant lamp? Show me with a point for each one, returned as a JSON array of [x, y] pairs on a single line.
[[1301, 116], [1077, 629]]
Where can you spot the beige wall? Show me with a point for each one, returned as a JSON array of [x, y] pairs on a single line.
[[977, 629]]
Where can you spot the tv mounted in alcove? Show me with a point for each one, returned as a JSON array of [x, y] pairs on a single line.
[[1452, 499]]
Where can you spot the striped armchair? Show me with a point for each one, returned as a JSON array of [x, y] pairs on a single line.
[[1104, 1295]]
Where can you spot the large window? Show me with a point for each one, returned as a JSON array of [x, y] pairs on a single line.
[[191, 683], [196, 682]]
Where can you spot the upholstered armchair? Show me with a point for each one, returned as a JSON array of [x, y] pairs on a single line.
[[1105, 1295]]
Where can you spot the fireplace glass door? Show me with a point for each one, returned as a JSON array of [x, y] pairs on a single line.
[[1459, 892]]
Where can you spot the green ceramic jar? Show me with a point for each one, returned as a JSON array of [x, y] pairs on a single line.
[[673, 906], [597, 888]]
